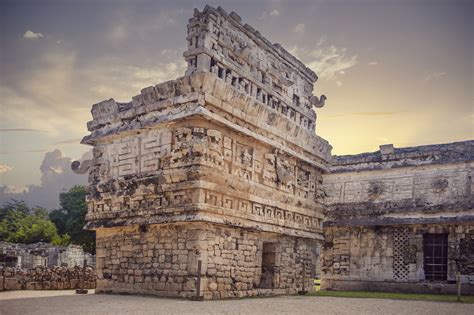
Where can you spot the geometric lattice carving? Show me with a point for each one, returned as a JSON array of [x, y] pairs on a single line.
[[400, 249]]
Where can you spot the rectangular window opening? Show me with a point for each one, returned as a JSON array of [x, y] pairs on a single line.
[[435, 251]]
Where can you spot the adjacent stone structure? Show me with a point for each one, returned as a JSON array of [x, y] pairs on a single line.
[[220, 166], [25, 256], [401, 220]]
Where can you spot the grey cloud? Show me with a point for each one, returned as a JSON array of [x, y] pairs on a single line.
[[328, 61], [299, 28], [71, 141], [56, 177], [5, 168], [364, 114], [433, 76], [32, 35], [20, 130], [269, 13], [79, 86], [24, 151]]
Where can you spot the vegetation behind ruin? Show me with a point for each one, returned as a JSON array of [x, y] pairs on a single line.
[[20, 223]]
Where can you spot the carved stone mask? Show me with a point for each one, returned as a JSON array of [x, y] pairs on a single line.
[[439, 185], [375, 190]]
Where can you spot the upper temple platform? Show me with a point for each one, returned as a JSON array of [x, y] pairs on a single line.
[[231, 142]]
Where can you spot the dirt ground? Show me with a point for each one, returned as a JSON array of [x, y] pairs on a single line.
[[67, 302]]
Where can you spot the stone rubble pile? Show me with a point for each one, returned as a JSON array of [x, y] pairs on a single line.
[[46, 278]]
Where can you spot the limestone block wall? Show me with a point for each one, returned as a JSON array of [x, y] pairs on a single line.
[[382, 204], [162, 260], [391, 258]]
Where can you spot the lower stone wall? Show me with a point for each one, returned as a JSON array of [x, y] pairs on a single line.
[[391, 258], [162, 260], [46, 278]]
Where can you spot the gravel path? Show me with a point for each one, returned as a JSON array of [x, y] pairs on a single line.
[[66, 302]]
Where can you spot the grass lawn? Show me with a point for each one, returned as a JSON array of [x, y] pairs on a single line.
[[396, 296]]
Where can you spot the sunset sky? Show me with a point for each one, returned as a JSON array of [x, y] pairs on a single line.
[[396, 72]]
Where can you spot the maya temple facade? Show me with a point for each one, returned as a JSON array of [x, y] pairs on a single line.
[[222, 169]]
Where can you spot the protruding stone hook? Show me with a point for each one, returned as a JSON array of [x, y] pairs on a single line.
[[81, 168], [318, 102]]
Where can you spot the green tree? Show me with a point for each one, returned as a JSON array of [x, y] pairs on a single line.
[[21, 224], [70, 218]]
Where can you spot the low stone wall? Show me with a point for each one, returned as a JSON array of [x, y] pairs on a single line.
[[46, 278]]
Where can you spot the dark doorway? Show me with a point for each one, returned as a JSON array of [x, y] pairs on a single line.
[[268, 265], [435, 250]]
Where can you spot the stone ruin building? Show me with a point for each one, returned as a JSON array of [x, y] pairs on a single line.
[[26, 256], [401, 220], [222, 166]]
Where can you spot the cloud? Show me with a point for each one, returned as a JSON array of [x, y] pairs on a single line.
[[56, 177], [36, 151], [274, 12], [20, 130], [32, 35], [321, 40], [328, 61], [46, 95], [71, 141], [5, 168], [56, 94], [123, 24], [110, 77], [433, 76], [8, 189], [24, 151], [169, 53], [373, 63], [299, 28], [339, 83], [363, 114]]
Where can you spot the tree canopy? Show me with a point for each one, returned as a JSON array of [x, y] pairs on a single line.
[[70, 218], [21, 224]]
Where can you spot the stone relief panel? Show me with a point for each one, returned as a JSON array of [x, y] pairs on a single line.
[[285, 172], [146, 201], [305, 182], [248, 209], [131, 182], [134, 154], [100, 167], [154, 147], [434, 185], [123, 157], [243, 161]]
